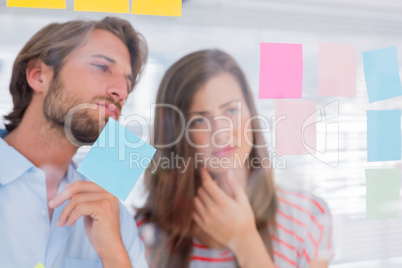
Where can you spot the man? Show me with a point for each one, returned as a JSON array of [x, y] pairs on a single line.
[[49, 213]]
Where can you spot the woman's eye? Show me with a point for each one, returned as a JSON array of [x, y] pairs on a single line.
[[198, 121], [232, 111]]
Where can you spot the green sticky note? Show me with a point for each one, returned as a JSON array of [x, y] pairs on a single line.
[[382, 193], [39, 265]]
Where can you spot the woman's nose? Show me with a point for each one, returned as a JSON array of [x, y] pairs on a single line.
[[223, 131]]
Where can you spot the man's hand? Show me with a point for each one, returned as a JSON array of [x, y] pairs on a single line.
[[101, 219]]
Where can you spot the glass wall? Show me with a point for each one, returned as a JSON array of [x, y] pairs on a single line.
[[238, 27]]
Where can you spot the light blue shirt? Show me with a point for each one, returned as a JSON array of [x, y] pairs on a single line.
[[27, 237]]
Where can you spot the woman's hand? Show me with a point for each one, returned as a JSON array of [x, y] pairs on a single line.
[[228, 220], [101, 219]]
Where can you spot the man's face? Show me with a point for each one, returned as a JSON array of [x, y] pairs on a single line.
[[96, 74]]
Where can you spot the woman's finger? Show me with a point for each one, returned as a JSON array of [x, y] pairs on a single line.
[[200, 209], [205, 198], [213, 190], [238, 192], [198, 220], [205, 174]]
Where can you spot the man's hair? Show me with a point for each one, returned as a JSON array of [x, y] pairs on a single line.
[[55, 42]]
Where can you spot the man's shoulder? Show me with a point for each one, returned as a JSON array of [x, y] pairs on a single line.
[[12, 163], [3, 133]]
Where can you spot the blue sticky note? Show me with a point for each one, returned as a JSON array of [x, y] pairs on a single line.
[[381, 71], [383, 135], [117, 159]]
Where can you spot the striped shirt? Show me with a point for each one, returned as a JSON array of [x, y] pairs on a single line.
[[303, 234]]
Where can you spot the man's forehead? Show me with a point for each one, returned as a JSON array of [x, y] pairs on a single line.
[[99, 38], [104, 44]]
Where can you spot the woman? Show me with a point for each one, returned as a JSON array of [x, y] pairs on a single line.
[[211, 200]]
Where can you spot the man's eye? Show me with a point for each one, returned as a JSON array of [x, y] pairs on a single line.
[[100, 67]]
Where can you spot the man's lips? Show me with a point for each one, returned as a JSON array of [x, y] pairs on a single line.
[[224, 151], [110, 108]]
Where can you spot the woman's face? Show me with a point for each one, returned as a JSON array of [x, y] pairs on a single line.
[[218, 125]]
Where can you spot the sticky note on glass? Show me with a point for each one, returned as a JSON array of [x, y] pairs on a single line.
[[292, 117], [39, 265], [110, 6], [382, 193], [281, 71], [157, 7], [381, 71], [336, 70], [117, 159], [383, 135], [53, 4]]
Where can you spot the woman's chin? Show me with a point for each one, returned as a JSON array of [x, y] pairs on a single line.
[[217, 172]]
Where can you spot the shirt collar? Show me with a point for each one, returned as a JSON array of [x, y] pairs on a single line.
[[73, 175], [12, 163]]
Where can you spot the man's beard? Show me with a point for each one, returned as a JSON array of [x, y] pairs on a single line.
[[84, 126]]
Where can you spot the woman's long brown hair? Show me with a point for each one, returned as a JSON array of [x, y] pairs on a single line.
[[171, 191]]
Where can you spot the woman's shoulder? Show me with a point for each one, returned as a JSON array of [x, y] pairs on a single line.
[[146, 229], [301, 212], [304, 221], [301, 201]]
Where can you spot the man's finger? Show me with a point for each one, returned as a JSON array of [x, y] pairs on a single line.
[[75, 188], [75, 200], [93, 209]]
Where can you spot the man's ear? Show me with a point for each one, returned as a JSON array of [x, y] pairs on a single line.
[[38, 75]]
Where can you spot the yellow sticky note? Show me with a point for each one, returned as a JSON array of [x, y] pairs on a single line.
[[39, 265], [54, 4], [110, 6], [157, 7]]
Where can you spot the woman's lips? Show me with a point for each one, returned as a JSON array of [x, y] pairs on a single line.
[[224, 152]]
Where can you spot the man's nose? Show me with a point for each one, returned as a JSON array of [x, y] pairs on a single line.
[[118, 89]]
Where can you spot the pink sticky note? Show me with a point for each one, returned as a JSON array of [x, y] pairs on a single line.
[[281, 71], [292, 117], [336, 70]]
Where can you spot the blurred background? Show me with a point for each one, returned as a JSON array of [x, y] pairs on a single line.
[[238, 27]]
